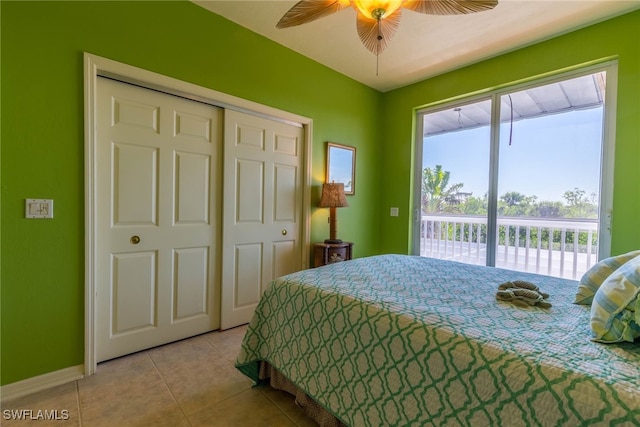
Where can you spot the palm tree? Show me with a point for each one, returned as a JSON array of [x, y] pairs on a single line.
[[434, 189], [513, 198]]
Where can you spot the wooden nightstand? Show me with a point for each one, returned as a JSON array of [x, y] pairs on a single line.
[[328, 253]]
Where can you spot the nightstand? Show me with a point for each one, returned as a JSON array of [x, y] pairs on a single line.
[[328, 253]]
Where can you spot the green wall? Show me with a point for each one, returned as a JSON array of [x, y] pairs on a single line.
[[618, 37], [42, 267]]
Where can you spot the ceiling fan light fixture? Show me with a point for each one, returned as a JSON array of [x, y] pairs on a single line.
[[378, 14], [378, 20], [376, 9]]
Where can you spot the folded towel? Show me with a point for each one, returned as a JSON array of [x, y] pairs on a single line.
[[522, 297], [522, 284]]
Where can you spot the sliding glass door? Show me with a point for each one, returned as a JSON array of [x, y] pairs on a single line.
[[520, 179]]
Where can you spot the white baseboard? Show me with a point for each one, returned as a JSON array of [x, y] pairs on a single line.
[[41, 382]]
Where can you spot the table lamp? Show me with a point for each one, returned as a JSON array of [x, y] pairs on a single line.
[[333, 197]]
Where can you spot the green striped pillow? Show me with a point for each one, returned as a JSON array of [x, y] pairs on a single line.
[[592, 279], [615, 311]]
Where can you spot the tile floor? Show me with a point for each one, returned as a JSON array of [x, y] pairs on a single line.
[[188, 383]]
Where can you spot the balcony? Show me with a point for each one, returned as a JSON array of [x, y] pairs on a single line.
[[557, 247]]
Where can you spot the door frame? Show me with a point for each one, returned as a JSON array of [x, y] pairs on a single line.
[[95, 66]]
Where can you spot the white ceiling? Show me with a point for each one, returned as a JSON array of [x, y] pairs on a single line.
[[425, 45]]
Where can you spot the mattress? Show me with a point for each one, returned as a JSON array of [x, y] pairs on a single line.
[[400, 340]]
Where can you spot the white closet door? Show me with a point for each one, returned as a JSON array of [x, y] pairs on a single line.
[[158, 161], [262, 210]]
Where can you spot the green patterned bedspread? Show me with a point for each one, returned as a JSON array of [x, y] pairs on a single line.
[[397, 340]]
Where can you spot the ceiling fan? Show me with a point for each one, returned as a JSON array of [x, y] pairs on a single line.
[[378, 20]]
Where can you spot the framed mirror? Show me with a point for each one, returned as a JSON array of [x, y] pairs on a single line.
[[341, 166]]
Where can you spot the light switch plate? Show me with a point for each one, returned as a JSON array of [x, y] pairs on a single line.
[[394, 211], [38, 208]]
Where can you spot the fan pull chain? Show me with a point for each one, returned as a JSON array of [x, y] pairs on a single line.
[[380, 37]]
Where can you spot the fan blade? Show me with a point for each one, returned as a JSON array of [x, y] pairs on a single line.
[[309, 10], [449, 7], [374, 34]]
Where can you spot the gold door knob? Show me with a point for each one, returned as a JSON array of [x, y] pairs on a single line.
[[134, 240], [284, 232]]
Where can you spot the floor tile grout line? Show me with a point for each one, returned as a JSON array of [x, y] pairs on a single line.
[[220, 353], [260, 389], [271, 401], [166, 385], [223, 357], [274, 403], [77, 390]]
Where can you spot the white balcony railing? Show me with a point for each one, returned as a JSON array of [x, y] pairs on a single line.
[[558, 247]]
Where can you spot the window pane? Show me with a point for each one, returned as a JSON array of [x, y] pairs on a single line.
[[549, 177], [454, 185]]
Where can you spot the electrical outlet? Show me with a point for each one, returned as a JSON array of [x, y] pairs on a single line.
[[38, 208], [394, 211]]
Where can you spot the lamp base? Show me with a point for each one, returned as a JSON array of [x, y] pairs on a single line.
[[332, 241]]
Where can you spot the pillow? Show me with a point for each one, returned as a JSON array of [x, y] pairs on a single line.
[[615, 311], [592, 279]]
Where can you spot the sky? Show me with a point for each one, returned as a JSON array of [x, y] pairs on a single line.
[[548, 155]]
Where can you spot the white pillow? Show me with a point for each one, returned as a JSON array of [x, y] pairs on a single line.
[[615, 311], [592, 279]]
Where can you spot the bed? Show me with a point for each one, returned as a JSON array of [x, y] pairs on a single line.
[[396, 340]]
